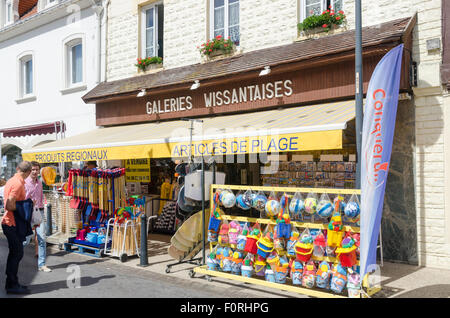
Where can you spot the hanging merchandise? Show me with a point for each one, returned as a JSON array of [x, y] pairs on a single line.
[[228, 199], [259, 201], [243, 202], [290, 246], [297, 207], [335, 228], [269, 274], [320, 244], [272, 208], [342, 203], [265, 243], [347, 252], [353, 284], [279, 243], [282, 270], [352, 209], [339, 279], [311, 203], [48, 175], [252, 239], [211, 261], [236, 262], [309, 274], [214, 220], [273, 259], [324, 207], [283, 227], [242, 238], [260, 267], [223, 233], [356, 237], [323, 275], [233, 233], [227, 256], [297, 273], [247, 266], [304, 247]]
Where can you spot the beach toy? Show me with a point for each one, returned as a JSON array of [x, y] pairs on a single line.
[[260, 268], [223, 234], [352, 210], [279, 245], [304, 247], [252, 239], [281, 272], [356, 237], [323, 275], [211, 262], [297, 273], [228, 199], [227, 256], [283, 227], [233, 233], [290, 246], [236, 263], [212, 236], [242, 203], [265, 246], [272, 208], [325, 209], [273, 259], [347, 252], [247, 267], [242, 239], [339, 279], [310, 205], [221, 193], [309, 274], [269, 275], [353, 285], [319, 245], [259, 201], [335, 229], [342, 203]]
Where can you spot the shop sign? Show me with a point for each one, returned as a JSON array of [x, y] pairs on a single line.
[[226, 97], [137, 170]]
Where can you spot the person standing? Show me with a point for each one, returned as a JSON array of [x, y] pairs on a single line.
[[33, 187], [14, 191]]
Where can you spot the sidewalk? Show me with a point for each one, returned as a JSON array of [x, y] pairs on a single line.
[[397, 280]]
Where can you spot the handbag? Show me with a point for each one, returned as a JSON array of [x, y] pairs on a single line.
[[36, 217]]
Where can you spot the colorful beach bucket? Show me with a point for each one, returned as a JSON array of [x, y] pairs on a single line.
[[303, 251], [265, 247], [260, 268], [250, 244]]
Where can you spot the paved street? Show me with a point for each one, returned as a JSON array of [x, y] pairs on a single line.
[[102, 278]]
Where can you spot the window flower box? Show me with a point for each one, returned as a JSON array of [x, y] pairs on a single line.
[[316, 26], [149, 64], [217, 48]]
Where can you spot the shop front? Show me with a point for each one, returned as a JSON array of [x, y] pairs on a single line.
[[287, 136]]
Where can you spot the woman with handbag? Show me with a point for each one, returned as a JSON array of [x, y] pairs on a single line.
[[33, 187]]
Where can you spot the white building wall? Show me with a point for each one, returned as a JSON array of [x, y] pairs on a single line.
[[46, 44]]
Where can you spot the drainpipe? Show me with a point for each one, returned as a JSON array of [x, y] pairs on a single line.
[[105, 38], [98, 9]]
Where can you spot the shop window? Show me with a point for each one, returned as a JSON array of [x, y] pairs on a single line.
[[315, 7], [152, 30], [224, 17]]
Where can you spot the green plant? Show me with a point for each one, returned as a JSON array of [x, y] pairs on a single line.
[[216, 44], [326, 20], [143, 63]]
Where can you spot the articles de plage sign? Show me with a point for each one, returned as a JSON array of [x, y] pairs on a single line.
[[239, 95]]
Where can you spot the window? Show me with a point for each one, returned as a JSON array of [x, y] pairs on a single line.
[[152, 30], [9, 16], [315, 7], [74, 62], [51, 2], [224, 17], [26, 74]]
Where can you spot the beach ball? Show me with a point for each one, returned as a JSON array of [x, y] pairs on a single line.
[[228, 199], [352, 210], [296, 207], [310, 205], [242, 203], [273, 208], [259, 202], [325, 209]]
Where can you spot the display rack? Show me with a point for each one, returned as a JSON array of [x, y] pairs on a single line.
[[315, 292]]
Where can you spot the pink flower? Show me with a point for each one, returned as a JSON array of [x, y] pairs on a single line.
[[324, 26]]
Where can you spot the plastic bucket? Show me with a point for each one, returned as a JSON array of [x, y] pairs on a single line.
[[334, 238], [250, 245], [303, 252], [270, 275], [338, 283], [296, 276], [226, 264], [214, 224], [241, 242], [246, 271], [236, 266], [264, 248], [281, 273], [308, 280], [211, 264], [212, 236], [347, 256], [260, 268]]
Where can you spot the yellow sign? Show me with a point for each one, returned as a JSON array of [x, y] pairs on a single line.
[[305, 141], [137, 170]]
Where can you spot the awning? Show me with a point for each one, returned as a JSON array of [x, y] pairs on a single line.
[[305, 128], [38, 129]]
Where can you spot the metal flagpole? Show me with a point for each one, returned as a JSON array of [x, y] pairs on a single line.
[[358, 89]]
